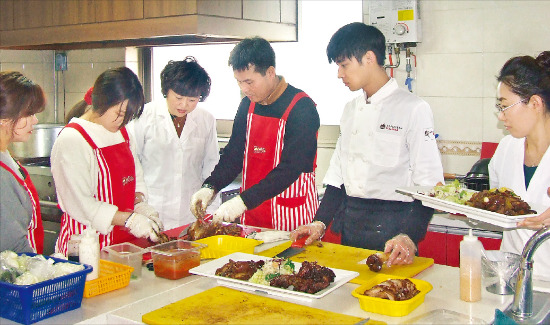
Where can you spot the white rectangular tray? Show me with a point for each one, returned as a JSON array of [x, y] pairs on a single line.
[[209, 270], [422, 193]]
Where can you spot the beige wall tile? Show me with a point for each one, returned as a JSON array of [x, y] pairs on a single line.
[[449, 5], [450, 75], [452, 31], [457, 118]]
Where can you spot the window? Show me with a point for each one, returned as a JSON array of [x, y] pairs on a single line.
[[304, 63]]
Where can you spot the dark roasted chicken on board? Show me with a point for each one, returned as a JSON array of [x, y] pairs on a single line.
[[393, 289], [201, 229], [376, 261]]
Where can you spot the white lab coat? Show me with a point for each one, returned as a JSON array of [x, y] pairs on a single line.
[[506, 170], [385, 144], [175, 168]]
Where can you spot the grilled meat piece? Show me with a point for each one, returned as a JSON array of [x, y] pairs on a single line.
[[241, 270], [393, 289], [311, 278], [376, 261]]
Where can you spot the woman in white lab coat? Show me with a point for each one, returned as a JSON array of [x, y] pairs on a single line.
[[177, 141], [522, 159]]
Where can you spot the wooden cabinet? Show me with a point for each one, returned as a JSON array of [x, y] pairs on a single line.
[[32, 14], [72, 24]]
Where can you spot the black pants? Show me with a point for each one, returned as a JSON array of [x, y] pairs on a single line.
[[369, 223]]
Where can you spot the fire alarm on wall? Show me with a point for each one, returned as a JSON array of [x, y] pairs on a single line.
[[60, 61]]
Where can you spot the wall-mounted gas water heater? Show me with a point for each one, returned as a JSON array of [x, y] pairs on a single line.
[[398, 20]]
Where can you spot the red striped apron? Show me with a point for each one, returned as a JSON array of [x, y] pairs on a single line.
[[35, 231], [116, 185], [296, 205]]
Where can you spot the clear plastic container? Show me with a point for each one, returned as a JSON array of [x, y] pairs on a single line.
[[499, 271], [174, 259], [127, 254]]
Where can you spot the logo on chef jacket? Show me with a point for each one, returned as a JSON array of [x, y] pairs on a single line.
[[127, 179], [429, 134], [259, 149], [390, 127]]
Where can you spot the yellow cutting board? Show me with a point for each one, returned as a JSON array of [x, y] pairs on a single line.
[[221, 305], [347, 258]]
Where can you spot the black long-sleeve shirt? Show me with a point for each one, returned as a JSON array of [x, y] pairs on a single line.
[[298, 154]]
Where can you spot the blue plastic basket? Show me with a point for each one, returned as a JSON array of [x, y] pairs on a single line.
[[27, 304]]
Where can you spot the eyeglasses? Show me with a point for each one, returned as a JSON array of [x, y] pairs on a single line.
[[501, 109]]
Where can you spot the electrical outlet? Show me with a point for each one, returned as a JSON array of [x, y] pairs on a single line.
[[60, 61]]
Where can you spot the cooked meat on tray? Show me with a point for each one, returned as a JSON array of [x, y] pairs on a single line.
[[393, 289], [279, 272], [202, 229], [502, 200]]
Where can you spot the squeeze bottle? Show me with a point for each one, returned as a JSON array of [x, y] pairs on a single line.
[[470, 268], [88, 251]]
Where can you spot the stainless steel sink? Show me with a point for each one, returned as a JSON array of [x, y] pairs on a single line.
[[541, 310]]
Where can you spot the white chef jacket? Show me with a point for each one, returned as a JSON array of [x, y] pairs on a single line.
[[506, 170], [175, 168], [385, 144], [74, 168]]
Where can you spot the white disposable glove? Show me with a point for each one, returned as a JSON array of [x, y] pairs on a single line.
[[314, 231], [142, 226], [200, 201], [402, 250], [149, 212], [230, 210]]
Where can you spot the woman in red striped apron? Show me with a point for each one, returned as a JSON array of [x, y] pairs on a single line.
[[20, 220], [98, 179]]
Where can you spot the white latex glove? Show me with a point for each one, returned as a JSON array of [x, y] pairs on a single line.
[[142, 226], [402, 250], [270, 236], [314, 231], [149, 212], [200, 201], [230, 210]]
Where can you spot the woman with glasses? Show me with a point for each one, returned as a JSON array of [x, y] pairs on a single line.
[[20, 220], [177, 142], [522, 159]]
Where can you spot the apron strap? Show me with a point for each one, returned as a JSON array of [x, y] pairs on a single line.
[[80, 129]]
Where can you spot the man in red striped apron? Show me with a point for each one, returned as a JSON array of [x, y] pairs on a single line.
[[273, 143]]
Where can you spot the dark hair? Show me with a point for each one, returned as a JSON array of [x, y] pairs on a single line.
[[19, 96], [354, 40], [185, 78], [252, 51], [527, 76], [76, 111], [113, 87]]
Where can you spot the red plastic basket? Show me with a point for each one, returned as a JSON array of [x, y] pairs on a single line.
[[27, 304]]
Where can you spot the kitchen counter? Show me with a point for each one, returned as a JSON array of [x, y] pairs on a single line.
[[127, 305]]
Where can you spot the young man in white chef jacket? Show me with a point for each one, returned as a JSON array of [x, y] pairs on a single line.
[[387, 141]]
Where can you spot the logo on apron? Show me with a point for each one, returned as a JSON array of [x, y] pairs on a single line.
[[259, 149], [127, 179]]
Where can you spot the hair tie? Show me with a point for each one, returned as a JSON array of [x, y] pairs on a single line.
[[88, 96]]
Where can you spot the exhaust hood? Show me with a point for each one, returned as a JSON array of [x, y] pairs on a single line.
[[99, 24]]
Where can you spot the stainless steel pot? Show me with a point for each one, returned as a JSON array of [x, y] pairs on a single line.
[[40, 143]]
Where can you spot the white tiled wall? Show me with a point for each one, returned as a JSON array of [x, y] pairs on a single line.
[[464, 45]]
